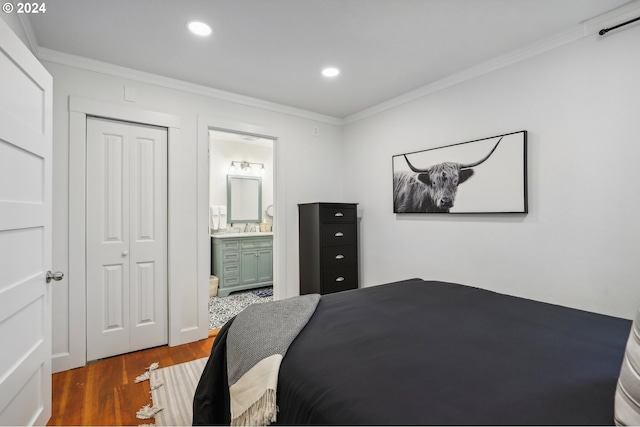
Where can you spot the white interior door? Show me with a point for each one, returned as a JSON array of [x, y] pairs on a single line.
[[25, 234], [126, 237]]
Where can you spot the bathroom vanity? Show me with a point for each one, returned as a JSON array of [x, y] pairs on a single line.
[[242, 261]]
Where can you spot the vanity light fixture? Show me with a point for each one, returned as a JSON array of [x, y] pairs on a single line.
[[199, 28], [245, 166]]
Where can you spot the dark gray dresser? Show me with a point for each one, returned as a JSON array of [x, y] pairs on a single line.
[[328, 247]]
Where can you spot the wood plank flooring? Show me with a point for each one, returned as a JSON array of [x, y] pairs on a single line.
[[105, 393]]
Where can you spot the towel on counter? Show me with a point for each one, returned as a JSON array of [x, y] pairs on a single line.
[[257, 341], [214, 217], [223, 217]]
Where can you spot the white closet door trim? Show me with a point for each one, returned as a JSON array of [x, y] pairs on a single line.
[[79, 109], [122, 112]]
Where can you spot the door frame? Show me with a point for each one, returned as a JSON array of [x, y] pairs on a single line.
[[79, 109], [279, 196]]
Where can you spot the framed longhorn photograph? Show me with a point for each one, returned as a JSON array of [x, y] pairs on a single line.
[[486, 175]]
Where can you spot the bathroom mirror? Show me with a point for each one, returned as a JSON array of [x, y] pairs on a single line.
[[244, 199]]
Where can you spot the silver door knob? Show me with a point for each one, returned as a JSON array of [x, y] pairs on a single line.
[[125, 253], [57, 276], [339, 256]]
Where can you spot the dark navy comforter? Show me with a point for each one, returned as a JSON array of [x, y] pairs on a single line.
[[431, 353]]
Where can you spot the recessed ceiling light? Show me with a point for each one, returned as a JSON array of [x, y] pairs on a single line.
[[330, 72], [199, 28]]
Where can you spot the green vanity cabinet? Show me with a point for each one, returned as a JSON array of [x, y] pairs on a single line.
[[242, 261]]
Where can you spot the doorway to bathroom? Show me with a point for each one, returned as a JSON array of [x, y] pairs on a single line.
[[241, 214]]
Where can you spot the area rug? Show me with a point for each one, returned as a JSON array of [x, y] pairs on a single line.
[[263, 292], [221, 309], [172, 390]]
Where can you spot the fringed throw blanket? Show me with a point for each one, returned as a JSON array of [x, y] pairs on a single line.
[[258, 340]]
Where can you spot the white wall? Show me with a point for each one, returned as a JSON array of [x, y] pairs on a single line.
[[305, 180], [579, 245]]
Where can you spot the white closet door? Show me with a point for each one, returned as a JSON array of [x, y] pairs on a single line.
[[126, 237], [148, 238]]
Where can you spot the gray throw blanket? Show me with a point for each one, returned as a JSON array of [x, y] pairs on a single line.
[[258, 340]]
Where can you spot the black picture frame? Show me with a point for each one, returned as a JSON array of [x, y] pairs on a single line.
[[482, 176]]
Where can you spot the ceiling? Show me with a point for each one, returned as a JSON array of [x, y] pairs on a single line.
[[274, 50]]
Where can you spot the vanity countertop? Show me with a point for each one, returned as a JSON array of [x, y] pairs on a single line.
[[236, 235]]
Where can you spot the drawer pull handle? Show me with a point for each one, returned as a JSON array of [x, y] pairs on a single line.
[[339, 256], [339, 214], [339, 234], [340, 279]]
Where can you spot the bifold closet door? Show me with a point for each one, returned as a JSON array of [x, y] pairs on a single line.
[[126, 237]]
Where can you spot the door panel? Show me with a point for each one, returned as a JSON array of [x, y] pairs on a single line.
[[265, 265], [114, 200], [126, 237], [144, 182], [148, 243], [249, 273], [107, 239], [23, 96], [145, 294], [15, 161], [25, 234], [113, 285]]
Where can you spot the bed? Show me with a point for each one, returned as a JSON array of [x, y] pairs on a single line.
[[421, 352]]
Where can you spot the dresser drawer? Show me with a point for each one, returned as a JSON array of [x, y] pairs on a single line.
[[230, 257], [339, 280], [230, 281], [231, 270], [338, 234], [339, 256], [230, 245], [329, 214], [256, 243]]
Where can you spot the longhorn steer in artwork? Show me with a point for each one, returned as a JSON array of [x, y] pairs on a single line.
[[432, 189]]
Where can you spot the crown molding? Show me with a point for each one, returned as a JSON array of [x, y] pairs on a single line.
[[585, 29], [54, 56], [470, 73], [28, 30]]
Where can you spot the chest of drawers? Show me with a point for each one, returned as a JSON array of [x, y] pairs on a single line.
[[328, 240]]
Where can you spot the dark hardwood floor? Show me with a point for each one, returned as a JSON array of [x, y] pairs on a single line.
[[105, 393]]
